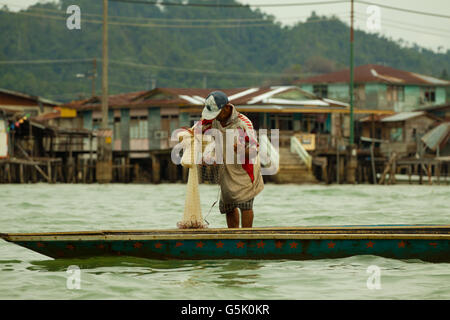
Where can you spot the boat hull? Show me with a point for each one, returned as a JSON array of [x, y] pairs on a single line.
[[428, 243]]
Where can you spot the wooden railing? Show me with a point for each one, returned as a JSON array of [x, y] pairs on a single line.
[[269, 156], [297, 147]]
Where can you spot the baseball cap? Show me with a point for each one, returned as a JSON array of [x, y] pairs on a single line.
[[214, 103]]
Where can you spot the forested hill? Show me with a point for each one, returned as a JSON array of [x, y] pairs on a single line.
[[180, 46]]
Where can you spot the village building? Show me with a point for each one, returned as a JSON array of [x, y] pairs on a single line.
[[32, 150], [379, 87], [13, 101], [313, 134], [142, 123], [439, 110], [399, 133], [411, 143]]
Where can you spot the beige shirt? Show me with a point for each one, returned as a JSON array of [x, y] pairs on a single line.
[[239, 182]]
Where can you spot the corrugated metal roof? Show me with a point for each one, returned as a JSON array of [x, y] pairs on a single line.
[[437, 107], [29, 97], [375, 117], [403, 116], [376, 73], [183, 97], [436, 136]]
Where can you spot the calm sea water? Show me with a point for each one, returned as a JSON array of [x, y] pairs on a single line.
[[44, 208]]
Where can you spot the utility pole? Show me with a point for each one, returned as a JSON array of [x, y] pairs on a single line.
[[352, 138], [104, 138], [105, 67], [352, 161], [94, 75]]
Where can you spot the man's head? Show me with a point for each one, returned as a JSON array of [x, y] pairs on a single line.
[[216, 106]]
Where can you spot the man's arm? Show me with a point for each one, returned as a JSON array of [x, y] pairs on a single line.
[[250, 147]]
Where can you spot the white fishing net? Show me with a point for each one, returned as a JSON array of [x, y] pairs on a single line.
[[192, 216]]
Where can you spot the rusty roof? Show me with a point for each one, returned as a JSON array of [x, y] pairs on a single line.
[[194, 97], [376, 73], [436, 107], [116, 100], [27, 96]]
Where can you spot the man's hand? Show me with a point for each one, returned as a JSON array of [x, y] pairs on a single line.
[[246, 150], [204, 164]]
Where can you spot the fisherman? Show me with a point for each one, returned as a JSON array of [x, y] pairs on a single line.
[[240, 181]]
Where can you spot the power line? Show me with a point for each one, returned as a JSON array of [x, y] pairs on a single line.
[[422, 27], [140, 65], [46, 61], [168, 26], [405, 10], [219, 5], [148, 25], [395, 24], [192, 20], [143, 18], [203, 71]]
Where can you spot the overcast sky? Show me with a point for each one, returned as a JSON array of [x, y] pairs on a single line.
[[426, 31]]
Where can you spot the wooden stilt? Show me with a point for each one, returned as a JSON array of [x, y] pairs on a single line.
[[84, 170], [21, 173], [60, 172], [91, 161], [430, 181], [122, 170], [49, 172], [419, 168], [185, 174], [136, 172], [438, 173], [33, 174], [127, 168], [172, 171], [394, 171], [325, 172], [409, 173], [8, 172], [156, 169]]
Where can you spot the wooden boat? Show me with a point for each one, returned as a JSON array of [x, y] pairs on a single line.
[[424, 242]]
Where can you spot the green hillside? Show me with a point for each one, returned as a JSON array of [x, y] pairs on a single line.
[[226, 47]]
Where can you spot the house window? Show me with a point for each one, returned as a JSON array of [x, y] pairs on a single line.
[[96, 123], [401, 93], [313, 123], [430, 94], [320, 90], [116, 129], [396, 135], [359, 93], [193, 118], [395, 93], [281, 121], [139, 127]]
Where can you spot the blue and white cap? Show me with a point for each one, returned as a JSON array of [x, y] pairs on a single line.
[[214, 103]]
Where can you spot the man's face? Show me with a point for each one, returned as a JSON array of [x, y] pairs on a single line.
[[224, 113]]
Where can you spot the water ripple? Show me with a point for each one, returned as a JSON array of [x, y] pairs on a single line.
[[43, 208]]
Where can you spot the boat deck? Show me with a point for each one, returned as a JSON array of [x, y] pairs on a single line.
[[426, 242]]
